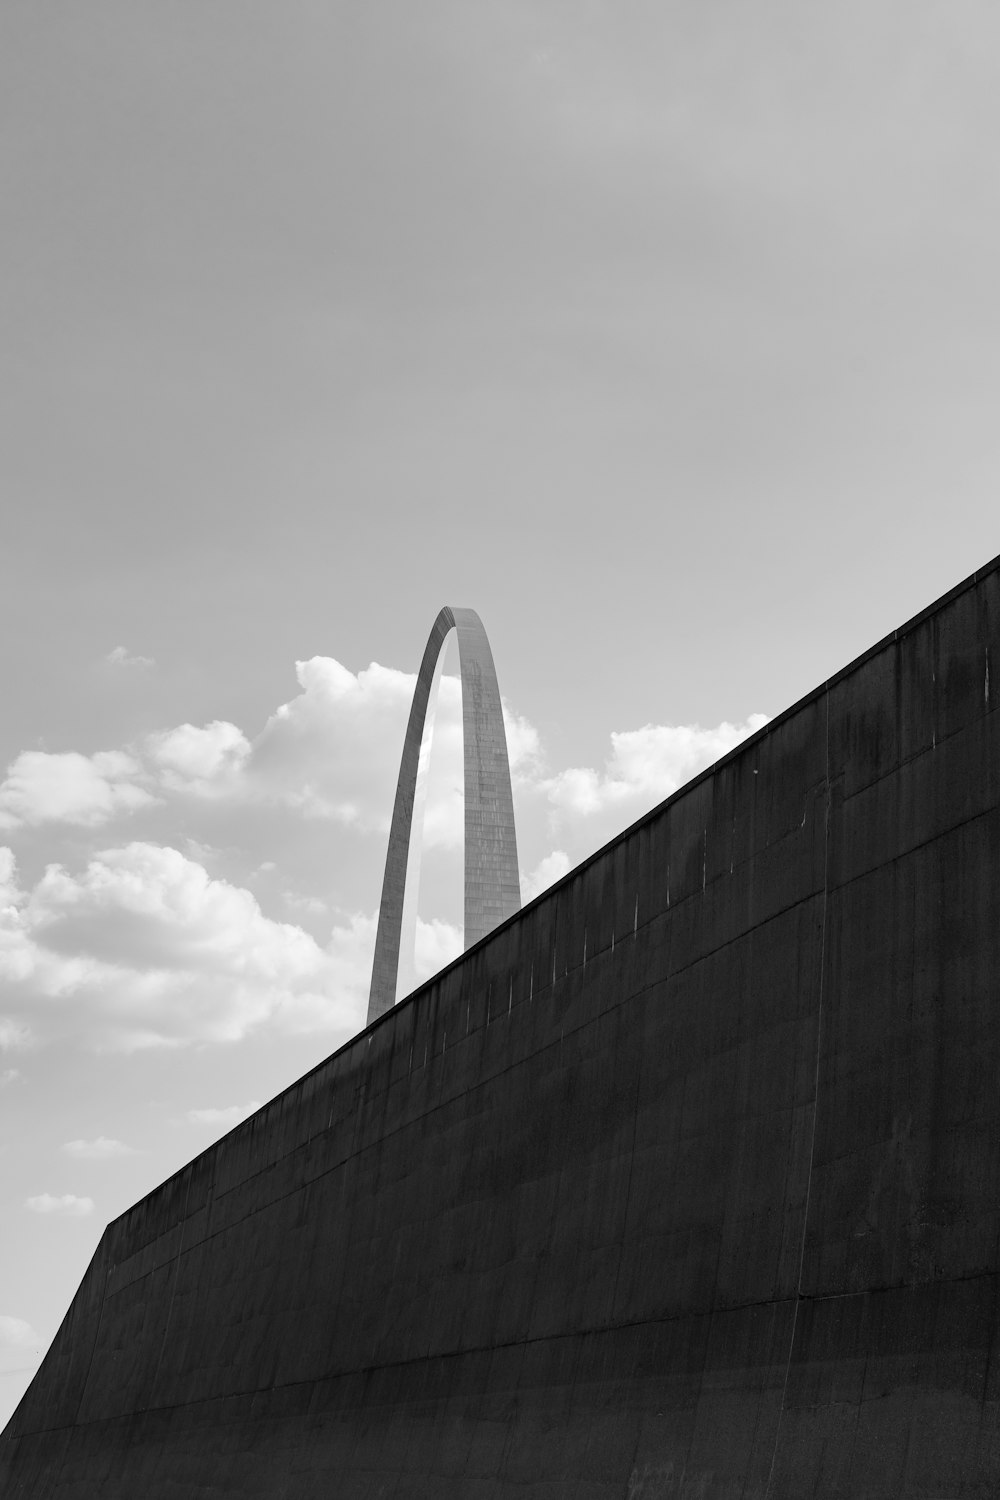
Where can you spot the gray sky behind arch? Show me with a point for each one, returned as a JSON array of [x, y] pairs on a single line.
[[664, 335]]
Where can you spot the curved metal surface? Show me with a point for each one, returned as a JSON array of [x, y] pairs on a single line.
[[492, 888]]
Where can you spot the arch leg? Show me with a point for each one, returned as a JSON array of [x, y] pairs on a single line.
[[492, 889]]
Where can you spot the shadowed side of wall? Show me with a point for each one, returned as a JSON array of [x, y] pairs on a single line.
[[681, 1183]]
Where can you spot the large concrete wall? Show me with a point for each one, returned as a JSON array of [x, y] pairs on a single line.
[[683, 1183]]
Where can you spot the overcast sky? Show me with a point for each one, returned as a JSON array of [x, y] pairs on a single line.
[[663, 334]]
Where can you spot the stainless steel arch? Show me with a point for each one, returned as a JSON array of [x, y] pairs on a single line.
[[492, 889]]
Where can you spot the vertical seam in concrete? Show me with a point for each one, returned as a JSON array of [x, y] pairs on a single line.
[[97, 1336], [815, 1111], [628, 1185], [173, 1286]]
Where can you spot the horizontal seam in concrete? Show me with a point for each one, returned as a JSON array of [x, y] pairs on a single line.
[[597, 1330], [894, 859], [441, 1104], [402, 1364], [915, 755]]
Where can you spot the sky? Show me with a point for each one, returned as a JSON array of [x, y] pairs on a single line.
[[664, 335]]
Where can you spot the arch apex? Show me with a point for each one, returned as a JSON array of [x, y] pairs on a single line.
[[492, 887]]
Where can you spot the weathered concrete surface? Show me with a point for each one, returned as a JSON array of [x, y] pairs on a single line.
[[684, 1182]]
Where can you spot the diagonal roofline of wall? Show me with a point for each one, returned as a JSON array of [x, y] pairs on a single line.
[[812, 696], [759, 735]]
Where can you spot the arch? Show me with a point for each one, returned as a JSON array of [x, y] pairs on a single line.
[[492, 888]]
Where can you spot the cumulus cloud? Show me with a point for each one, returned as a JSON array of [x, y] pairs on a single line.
[[16, 1333], [103, 1148], [225, 1118], [120, 657], [144, 949], [645, 766], [141, 947], [86, 790], [9, 892], [524, 748], [67, 1206], [436, 944], [552, 868], [332, 751], [207, 761]]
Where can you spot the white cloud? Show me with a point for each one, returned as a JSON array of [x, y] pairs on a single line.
[[15, 1333], [144, 949], [141, 947], [523, 744], [119, 657], [552, 868], [207, 761], [9, 892], [10, 1075], [101, 1149], [645, 766], [86, 790], [436, 944], [333, 751], [67, 1206], [231, 1115]]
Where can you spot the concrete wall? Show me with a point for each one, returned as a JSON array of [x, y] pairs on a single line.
[[683, 1183]]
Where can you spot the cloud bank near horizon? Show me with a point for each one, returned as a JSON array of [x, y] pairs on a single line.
[[134, 944]]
